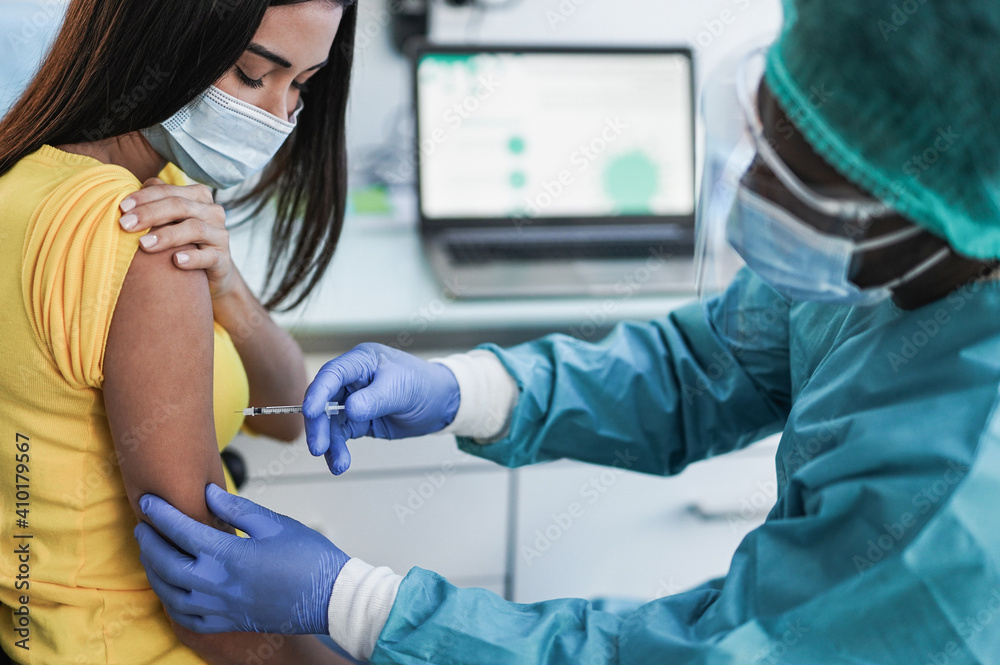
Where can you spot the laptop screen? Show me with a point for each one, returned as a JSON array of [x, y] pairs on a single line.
[[555, 135]]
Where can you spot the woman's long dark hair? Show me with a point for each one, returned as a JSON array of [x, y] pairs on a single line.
[[118, 66]]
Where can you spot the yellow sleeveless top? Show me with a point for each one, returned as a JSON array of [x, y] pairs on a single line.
[[71, 586]]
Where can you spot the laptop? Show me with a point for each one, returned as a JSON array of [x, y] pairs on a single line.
[[556, 171]]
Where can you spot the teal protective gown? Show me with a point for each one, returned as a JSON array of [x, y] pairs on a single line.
[[884, 545]]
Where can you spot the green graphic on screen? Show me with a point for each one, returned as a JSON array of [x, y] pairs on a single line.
[[453, 60], [631, 181]]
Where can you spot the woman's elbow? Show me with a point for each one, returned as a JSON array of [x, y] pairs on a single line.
[[286, 429], [292, 432]]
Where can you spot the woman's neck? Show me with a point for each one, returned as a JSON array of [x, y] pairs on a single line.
[[130, 151]]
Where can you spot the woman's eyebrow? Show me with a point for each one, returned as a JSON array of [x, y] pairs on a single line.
[[264, 52]]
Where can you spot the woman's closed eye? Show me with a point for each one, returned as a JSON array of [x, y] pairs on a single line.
[[249, 82], [257, 84]]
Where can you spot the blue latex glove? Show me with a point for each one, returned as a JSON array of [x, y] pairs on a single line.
[[278, 580], [387, 394]]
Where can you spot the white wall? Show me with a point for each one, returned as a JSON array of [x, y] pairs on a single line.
[[712, 27], [26, 29]]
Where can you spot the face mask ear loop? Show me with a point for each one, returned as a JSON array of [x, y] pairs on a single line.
[[920, 269], [858, 227], [888, 239], [294, 117]]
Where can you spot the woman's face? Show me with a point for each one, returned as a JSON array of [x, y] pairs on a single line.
[[292, 43]]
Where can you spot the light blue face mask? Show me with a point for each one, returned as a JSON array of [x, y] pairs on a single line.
[[220, 141], [804, 264]]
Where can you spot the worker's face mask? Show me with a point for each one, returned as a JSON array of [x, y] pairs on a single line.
[[803, 263], [220, 141], [791, 255]]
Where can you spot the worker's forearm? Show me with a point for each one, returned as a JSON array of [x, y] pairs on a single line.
[[273, 360]]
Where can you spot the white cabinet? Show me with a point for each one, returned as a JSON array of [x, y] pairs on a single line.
[[589, 531]]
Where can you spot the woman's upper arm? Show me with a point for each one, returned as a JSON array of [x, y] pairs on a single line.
[[134, 326], [158, 360]]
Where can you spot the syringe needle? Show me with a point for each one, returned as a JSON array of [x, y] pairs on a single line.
[[331, 408]]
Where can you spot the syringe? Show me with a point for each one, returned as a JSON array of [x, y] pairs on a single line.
[[331, 408]]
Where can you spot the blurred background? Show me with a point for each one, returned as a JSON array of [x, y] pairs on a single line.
[[560, 529]]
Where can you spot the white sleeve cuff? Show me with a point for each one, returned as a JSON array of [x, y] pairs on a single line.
[[359, 606], [488, 395]]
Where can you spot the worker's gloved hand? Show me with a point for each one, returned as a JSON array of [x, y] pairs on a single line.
[[279, 580], [387, 393]]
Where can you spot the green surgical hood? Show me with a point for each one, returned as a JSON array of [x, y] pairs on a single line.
[[903, 98]]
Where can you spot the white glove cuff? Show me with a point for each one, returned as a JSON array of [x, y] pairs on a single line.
[[359, 606], [488, 395]]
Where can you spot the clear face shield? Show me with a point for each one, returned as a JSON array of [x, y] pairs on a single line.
[[738, 225], [728, 151]]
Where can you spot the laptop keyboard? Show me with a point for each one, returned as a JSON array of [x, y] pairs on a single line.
[[467, 253]]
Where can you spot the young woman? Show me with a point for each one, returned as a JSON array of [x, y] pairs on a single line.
[[121, 372]]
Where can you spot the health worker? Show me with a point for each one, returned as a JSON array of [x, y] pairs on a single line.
[[862, 189]]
